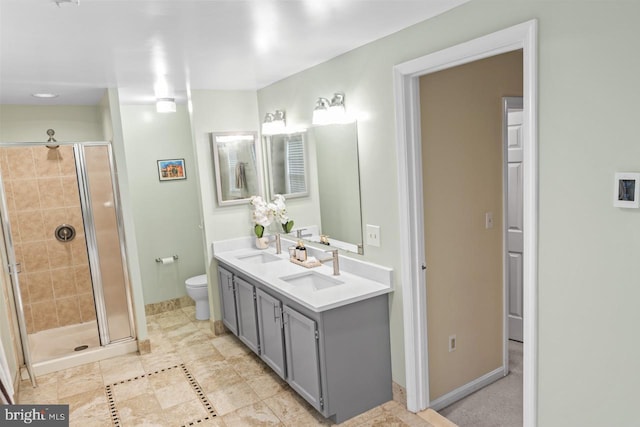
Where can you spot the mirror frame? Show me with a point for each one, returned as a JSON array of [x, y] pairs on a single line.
[[257, 166], [270, 169]]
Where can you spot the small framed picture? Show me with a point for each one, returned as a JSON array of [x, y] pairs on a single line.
[[172, 169], [627, 190]]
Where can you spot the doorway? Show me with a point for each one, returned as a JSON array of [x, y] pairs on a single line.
[[64, 243], [413, 277], [462, 183], [514, 165]]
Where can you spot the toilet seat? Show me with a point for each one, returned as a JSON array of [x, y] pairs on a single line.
[[197, 281]]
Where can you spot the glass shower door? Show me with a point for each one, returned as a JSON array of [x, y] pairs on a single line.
[[108, 266]]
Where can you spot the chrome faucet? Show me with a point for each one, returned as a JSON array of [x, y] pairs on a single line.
[[278, 244], [334, 258], [299, 234]]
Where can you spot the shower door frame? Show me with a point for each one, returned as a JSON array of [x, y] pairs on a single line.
[[13, 271], [90, 240]]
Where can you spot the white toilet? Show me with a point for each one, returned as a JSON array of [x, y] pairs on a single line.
[[198, 290]]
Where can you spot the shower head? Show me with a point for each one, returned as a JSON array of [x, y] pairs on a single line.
[[51, 132]]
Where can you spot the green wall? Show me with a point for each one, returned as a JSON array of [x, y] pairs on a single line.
[[588, 294], [219, 111], [166, 213], [29, 123]]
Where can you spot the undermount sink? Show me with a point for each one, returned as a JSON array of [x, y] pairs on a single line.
[[311, 279], [259, 258]]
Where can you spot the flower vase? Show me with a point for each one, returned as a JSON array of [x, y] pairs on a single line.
[[262, 242]]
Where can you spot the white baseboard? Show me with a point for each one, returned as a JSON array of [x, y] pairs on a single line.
[[462, 392]]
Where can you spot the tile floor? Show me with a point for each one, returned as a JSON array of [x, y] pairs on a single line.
[[171, 386]]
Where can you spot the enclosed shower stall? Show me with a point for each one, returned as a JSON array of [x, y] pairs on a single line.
[[65, 244]]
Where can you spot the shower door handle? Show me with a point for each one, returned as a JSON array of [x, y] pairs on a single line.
[[15, 268]]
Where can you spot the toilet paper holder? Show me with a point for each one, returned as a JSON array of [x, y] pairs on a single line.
[[163, 260]]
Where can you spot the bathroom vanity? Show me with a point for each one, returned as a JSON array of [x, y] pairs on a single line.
[[326, 336]]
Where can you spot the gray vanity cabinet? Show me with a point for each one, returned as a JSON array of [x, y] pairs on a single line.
[[270, 330], [303, 363], [338, 360], [228, 300], [246, 311]]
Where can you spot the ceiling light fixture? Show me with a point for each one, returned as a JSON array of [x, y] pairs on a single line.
[[44, 95], [274, 123], [59, 2], [166, 105]]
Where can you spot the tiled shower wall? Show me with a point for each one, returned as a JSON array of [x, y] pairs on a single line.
[[42, 192]]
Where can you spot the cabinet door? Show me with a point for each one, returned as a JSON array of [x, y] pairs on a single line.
[[228, 300], [303, 367], [246, 308], [271, 333]]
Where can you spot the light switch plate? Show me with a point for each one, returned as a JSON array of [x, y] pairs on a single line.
[[373, 235], [488, 220]]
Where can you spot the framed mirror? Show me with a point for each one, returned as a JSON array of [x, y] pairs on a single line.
[[236, 159], [287, 164]]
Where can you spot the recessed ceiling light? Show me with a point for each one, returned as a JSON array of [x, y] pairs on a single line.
[[59, 2], [44, 95]]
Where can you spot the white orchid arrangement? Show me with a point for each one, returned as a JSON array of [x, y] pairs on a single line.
[[265, 213]]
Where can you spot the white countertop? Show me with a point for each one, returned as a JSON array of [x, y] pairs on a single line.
[[360, 280]]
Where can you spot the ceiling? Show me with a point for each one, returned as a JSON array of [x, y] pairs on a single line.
[[150, 48]]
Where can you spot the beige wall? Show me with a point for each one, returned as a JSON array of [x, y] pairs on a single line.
[[41, 188], [42, 193], [461, 121]]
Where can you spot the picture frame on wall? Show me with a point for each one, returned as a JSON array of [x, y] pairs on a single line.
[[171, 169], [626, 192]]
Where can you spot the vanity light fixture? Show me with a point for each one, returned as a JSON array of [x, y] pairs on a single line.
[[326, 112], [336, 108], [321, 112], [274, 123], [166, 105]]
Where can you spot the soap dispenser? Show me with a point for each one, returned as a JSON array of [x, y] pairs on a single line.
[[298, 246], [301, 252]]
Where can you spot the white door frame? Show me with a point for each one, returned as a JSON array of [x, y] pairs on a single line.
[[522, 36]]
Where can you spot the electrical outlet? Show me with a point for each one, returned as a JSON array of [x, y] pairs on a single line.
[[373, 235], [452, 343]]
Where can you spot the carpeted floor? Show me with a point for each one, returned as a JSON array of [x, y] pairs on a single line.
[[497, 405]]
